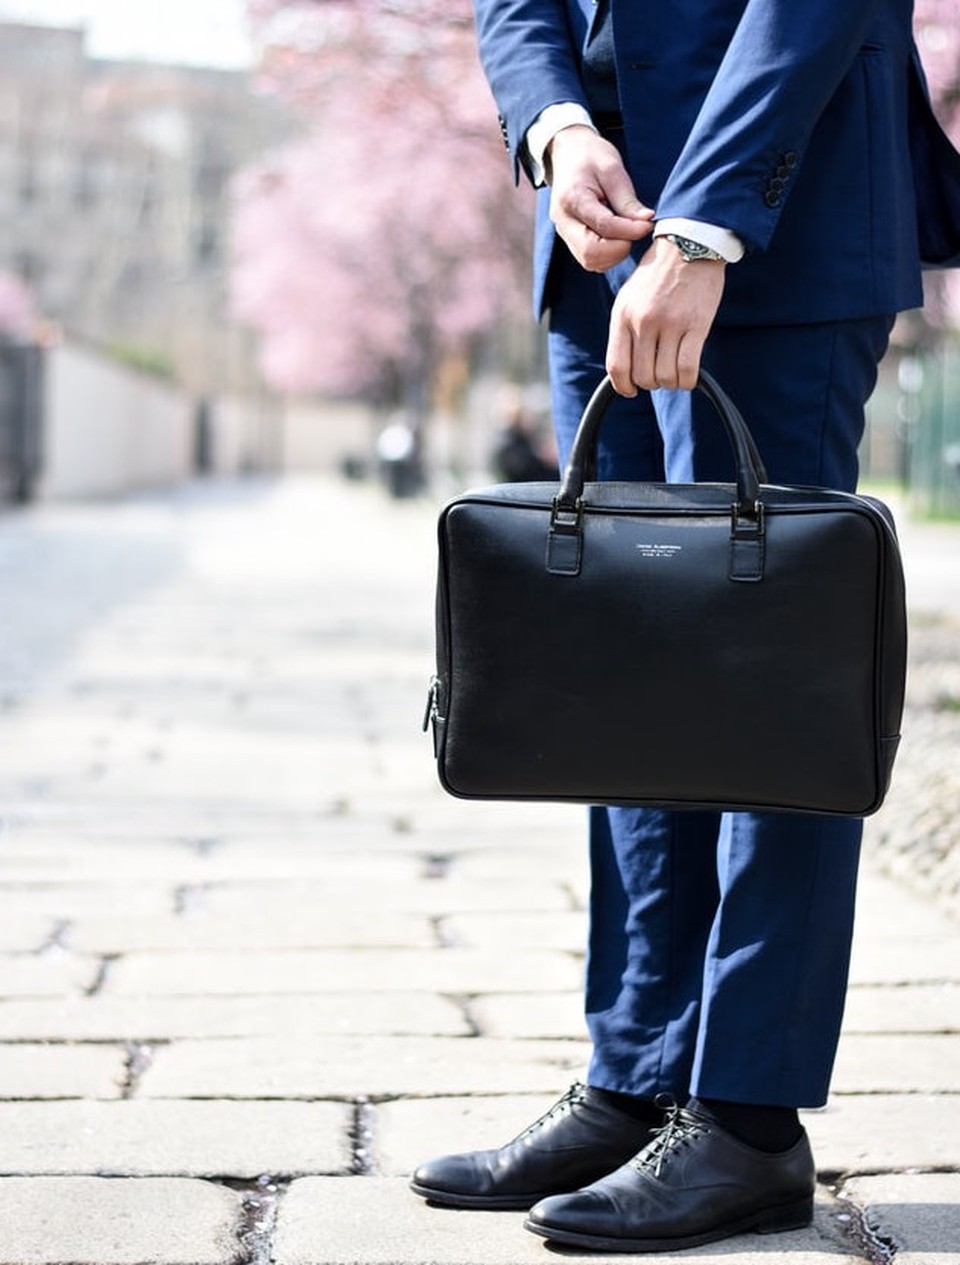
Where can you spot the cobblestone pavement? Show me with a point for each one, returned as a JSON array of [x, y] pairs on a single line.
[[916, 836], [254, 965]]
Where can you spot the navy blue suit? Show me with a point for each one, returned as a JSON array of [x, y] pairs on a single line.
[[719, 945]]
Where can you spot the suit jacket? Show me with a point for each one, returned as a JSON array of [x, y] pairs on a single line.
[[798, 124]]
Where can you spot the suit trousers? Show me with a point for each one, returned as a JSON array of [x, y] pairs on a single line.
[[719, 944]]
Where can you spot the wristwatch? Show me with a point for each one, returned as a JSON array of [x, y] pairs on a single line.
[[690, 250]]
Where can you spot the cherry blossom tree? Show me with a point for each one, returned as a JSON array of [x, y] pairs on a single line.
[[389, 237]]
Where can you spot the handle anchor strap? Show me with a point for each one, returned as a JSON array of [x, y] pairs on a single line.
[[750, 469], [565, 540]]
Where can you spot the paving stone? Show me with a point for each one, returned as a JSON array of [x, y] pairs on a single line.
[[887, 908], [227, 764], [367, 970], [55, 974], [899, 960], [23, 933], [919, 1214], [529, 1014], [198, 930], [565, 931], [469, 832], [378, 1221], [341, 854], [102, 1221], [196, 1139], [406, 1132], [87, 860], [522, 838], [346, 1067], [430, 896], [105, 1018], [520, 843], [919, 1063], [61, 1071], [869, 1132], [916, 1008], [67, 901]]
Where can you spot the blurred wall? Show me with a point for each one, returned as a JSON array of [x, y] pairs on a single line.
[[323, 435], [109, 430]]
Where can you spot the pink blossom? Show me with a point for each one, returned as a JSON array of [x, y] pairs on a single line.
[[391, 234], [18, 314]]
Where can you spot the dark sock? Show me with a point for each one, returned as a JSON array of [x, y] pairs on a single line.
[[643, 1109], [765, 1128]]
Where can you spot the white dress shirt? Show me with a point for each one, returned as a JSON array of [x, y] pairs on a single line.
[[568, 114]]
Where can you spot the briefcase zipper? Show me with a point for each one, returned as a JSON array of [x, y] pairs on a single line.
[[431, 716], [430, 712]]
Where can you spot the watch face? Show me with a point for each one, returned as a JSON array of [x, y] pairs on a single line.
[[693, 250]]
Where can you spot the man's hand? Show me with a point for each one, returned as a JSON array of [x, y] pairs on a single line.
[[593, 202], [660, 321]]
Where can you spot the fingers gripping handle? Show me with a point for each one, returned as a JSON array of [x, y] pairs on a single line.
[[749, 466]]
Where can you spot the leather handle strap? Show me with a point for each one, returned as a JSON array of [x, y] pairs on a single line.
[[749, 466]]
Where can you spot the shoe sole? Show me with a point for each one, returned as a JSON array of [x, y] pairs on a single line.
[[795, 1216], [480, 1203]]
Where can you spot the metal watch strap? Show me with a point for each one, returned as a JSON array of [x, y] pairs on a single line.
[[691, 250]]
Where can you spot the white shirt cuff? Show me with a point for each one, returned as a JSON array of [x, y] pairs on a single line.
[[545, 127], [722, 240]]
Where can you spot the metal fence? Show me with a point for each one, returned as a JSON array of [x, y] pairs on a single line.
[[913, 430]]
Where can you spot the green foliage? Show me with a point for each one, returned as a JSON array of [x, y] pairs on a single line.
[[144, 359]]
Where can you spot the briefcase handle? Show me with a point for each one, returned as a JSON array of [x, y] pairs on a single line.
[[750, 468]]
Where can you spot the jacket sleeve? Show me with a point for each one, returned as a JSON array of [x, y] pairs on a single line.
[[528, 54], [779, 71]]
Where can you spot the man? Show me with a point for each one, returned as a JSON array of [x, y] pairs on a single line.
[[740, 169]]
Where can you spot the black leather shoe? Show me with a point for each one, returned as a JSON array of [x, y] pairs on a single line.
[[692, 1184], [579, 1139]]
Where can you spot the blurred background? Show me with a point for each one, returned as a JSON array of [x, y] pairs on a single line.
[[276, 236]]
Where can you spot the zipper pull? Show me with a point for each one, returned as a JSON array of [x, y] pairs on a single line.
[[432, 709]]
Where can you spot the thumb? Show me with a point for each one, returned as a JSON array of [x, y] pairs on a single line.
[[636, 210], [633, 209], [622, 197]]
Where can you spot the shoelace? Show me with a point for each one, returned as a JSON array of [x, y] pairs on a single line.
[[677, 1131], [576, 1094]]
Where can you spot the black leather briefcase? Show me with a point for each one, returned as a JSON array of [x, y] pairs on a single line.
[[728, 646]]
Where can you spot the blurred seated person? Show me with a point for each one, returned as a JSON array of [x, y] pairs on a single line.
[[522, 453]]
